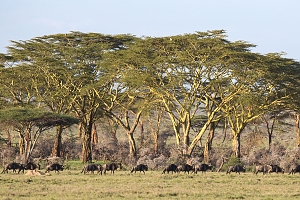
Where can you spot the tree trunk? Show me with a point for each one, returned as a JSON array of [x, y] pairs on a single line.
[[142, 134], [177, 133], [21, 144], [27, 146], [56, 150], [8, 137], [270, 140], [132, 146], [236, 145], [155, 142], [220, 167], [86, 143], [208, 143], [270, 128], [297, 118], [198, 137], [186, 126], [186, 140], [94, 134], [155, 127]]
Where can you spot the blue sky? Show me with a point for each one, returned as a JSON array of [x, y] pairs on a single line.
[[271, 25]]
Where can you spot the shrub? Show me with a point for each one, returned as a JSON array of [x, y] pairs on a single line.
[[231, 162]]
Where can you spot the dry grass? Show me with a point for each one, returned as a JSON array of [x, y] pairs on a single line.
[[154, 185]]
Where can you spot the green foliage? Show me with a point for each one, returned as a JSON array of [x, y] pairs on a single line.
[[39, 117], [231, 162]]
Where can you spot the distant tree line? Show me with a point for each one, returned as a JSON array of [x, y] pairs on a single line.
[[200, 80]]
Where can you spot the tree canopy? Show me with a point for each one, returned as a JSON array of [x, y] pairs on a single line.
[[123, 77]]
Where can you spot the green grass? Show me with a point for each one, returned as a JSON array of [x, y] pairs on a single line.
[[71, 184]]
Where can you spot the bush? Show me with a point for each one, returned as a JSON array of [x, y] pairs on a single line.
[[231, 162]]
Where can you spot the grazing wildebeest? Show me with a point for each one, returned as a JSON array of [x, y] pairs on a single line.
[[185, 168], [54, 167], [259, 168], [13, 166], [295, 169], [31, 166], [91, 168], [276, 168], [236, 168], [265, 169], [171, 168], [268, 169], [202, 167], [140, 167], [111, 167]]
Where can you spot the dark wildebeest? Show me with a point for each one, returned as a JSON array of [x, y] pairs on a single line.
[[111, 167], [236, 168], [54, 167], [295, 169], [140, 167], [13, 166], [91, 168], [185, 168], [202, 167], [276, 168], [31, 166], [171, 168]]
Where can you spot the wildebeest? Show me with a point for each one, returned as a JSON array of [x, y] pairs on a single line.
[[171, 168], [13, 166], [202, 167], [266, 169], [140, 167], [54, 167], [185, 168], [236, 168], [276, 168], [259, 168], [111, 167], [31, 166], [91, 168], [295, 169]]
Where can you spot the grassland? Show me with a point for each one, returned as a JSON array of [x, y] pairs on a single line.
[[71, 184]]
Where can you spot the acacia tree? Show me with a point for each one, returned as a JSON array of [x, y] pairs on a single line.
[[74, 81], [36, 67], [128, 97], [30, 123], [273, 120], [185, 72], [268, 82]]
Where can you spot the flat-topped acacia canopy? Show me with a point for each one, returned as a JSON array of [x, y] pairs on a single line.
[[39, 117]]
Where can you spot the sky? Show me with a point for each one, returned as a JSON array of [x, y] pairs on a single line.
[[271, 25]]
